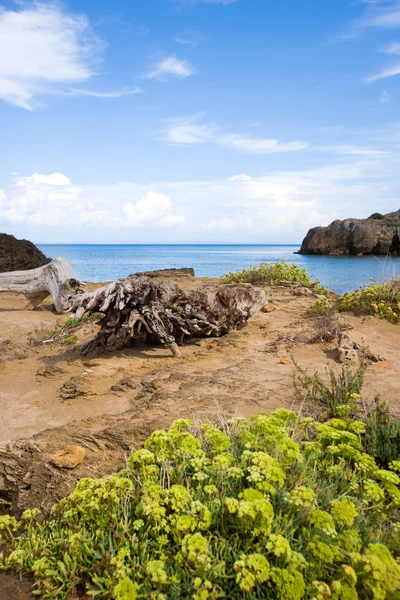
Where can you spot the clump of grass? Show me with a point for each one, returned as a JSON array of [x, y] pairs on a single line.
[[381, 299], [69, 341], [272, 273], [337, 390], [70, 324], [73, 322], [382, 435], [246, 512]]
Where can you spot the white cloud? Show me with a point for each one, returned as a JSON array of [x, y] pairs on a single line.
[[40, 49], [152, 207], [385, 97], [187, 130], [53, 201], [170, 67], [279, 207]]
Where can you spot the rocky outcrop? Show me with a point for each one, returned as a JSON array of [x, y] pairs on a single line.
[[379, 234], [19, 255]]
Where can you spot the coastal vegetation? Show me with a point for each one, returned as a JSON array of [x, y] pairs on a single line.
[[272, 273], [380, 299], [276, 507]]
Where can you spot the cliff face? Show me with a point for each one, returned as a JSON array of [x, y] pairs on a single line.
[[355, 237], [19, 255]]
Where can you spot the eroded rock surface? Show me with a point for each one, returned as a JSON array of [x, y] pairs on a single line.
[[375, 235]]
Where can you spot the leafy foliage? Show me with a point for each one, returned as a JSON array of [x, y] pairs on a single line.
[[273, 272], [247, 512], [377, 216]]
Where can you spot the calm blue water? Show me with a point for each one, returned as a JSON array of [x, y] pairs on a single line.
[[109, 262]]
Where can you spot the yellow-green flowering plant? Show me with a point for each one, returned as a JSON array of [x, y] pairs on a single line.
[[274, 507], [382, 300]]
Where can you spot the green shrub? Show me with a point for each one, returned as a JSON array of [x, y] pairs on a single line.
[[377, 216], [273, 272], [243, 513], [381, 299]]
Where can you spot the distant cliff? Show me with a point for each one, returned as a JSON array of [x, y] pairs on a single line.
[[19, 255], [379, 234]]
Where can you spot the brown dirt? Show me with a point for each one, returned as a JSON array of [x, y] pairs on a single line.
[[114, 400]]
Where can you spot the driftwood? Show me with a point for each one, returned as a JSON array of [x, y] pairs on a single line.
[[56, 279], [164, 311]]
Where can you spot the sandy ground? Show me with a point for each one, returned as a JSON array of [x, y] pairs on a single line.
[[238, 374], [128, 393]]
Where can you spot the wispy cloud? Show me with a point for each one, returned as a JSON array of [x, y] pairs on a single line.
[[393, 48], [352, 150], [378, 15], [113, 94], [185, 41], [385, 73], [42, 48], [259, 145], [170, 67], [181, 3], [385, 97], [188, 131]]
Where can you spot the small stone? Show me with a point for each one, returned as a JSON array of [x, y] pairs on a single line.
[[384, 365], [267, 308], [68, 458], [285, 361], [49, 371], [117, 388], [348, 350], [72, 388]]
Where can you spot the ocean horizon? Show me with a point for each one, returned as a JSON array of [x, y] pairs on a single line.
[[105, 262]]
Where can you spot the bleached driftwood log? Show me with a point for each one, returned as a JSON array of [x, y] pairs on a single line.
[[56, 279], [166, 313]]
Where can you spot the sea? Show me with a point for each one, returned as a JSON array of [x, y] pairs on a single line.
[[106, 262]]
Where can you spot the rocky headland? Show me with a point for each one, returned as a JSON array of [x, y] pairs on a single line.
[[19, 255], [379, 234]]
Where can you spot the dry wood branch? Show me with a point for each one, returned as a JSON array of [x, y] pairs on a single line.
[[56, 279], [166, 312]]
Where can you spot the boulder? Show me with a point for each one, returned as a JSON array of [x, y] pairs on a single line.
[[19, 255], [352, 237]]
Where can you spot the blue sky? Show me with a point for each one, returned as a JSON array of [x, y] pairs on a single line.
[[196, 120]]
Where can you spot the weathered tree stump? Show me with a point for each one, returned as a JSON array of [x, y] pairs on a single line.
[[56, 279], [164, 311]]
